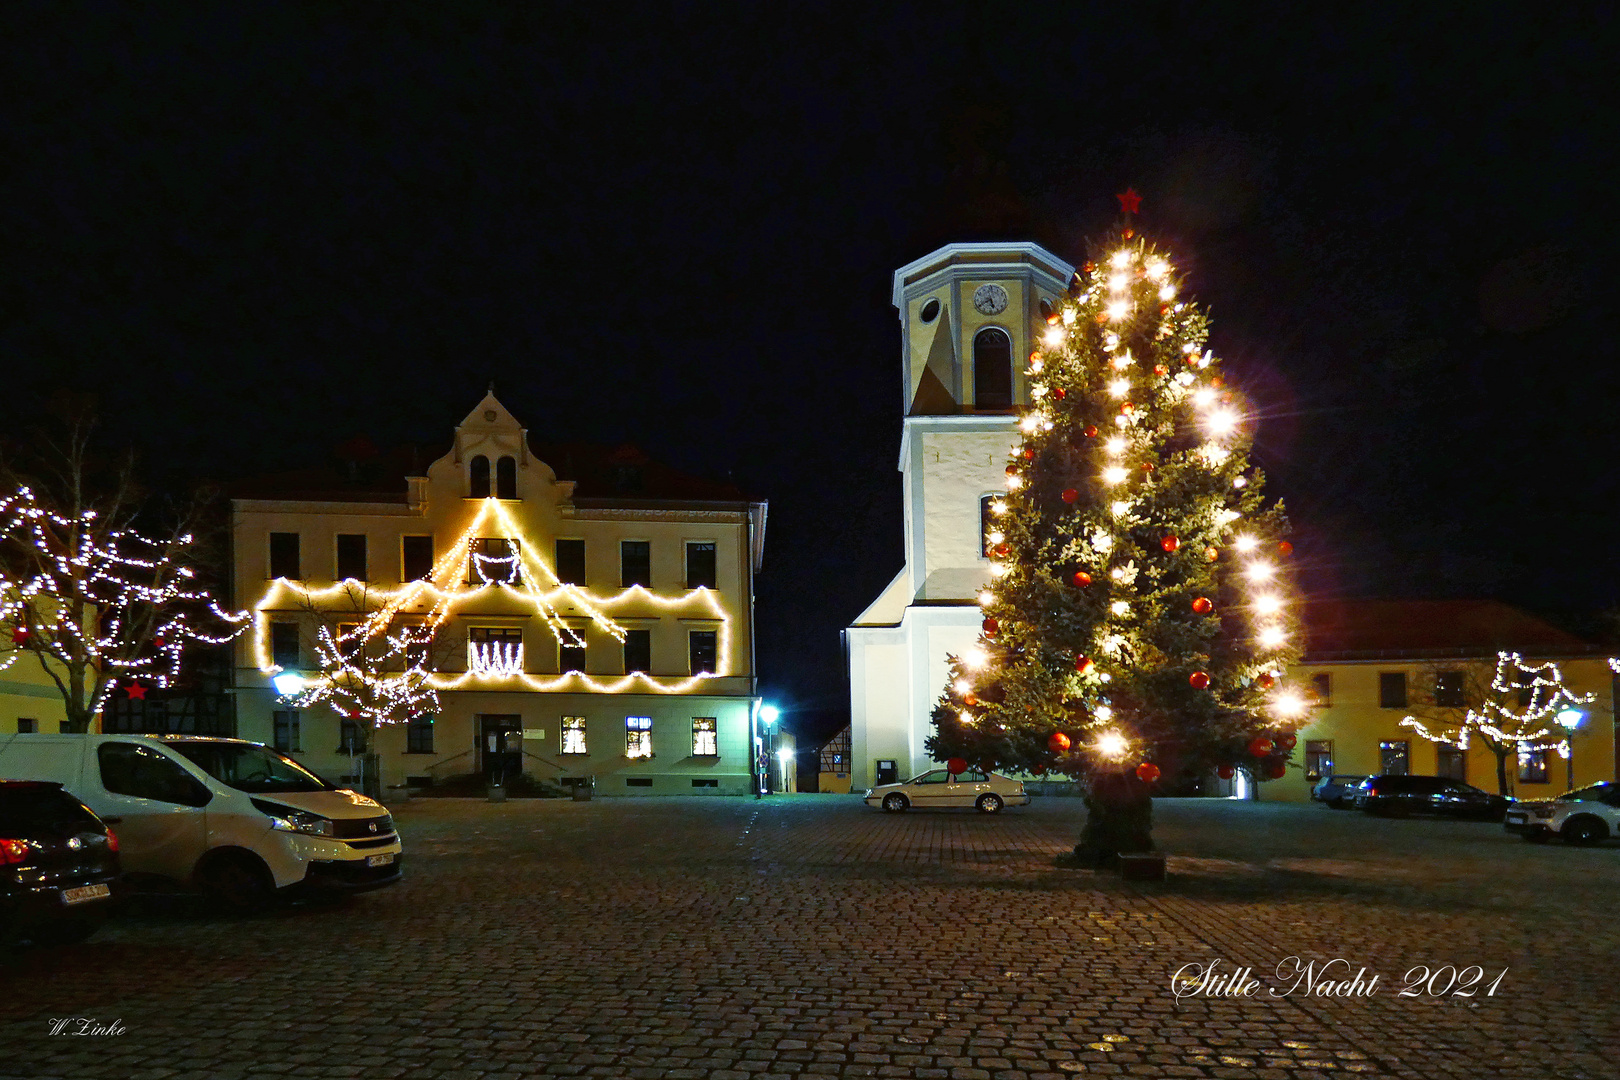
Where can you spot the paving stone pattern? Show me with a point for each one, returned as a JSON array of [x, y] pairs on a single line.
[[728, 939]]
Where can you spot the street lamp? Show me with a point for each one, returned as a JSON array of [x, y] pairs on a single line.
[[769, 714], [288, 683], [1571, 719]]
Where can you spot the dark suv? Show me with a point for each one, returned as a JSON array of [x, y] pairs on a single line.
[[1398, 796], [58, 863]]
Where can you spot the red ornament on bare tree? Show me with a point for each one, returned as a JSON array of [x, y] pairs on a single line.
[[1147, 772]]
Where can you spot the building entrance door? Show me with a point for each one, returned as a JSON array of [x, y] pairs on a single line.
[[500, 745]]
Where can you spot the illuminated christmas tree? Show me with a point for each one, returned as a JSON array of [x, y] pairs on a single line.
[[1138, 623], [100, 606]]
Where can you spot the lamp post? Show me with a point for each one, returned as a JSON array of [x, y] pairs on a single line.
[[1571, 719], [769, 714]]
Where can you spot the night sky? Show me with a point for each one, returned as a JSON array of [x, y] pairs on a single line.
[[255, 231]]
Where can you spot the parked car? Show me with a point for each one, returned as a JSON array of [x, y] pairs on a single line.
[[1587, 815], [232, 817], [1338, 790], [1398, 796], [988, 792], [58, 863]]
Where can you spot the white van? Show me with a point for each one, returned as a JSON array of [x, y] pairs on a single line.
[[228, 816]]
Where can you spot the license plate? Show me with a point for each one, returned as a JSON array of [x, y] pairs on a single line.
[[379, 860], [85, 892]]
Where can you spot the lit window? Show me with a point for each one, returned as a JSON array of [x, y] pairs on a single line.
[[1318, 758], [1533, 766], [495, 650], [638, 737], [573, 735], [705, 742], [494, 562]]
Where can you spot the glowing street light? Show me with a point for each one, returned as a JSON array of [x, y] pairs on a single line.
[[1571, 719]]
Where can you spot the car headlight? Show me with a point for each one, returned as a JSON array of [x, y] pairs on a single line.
[[291, 819], [1542, 811]]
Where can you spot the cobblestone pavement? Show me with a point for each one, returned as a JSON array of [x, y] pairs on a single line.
[[726, 939]]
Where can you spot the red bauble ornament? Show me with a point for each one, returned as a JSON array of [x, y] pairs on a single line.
[[1170, 543], [1274, 770], [1285, 549], [1059, 742], [1052, 319], [1012, 470], [1083, 664], [1266, 680], [1147, 466], [1198, 679], [1147, 772], [990, 627], [1225, 772], [1081, 578], [1089, 266], [136, 691], [956, 765], [1029, 454], [1287, 741], [1058, 393], [1091, 431], [1127, 408], [970, 698], [1203, 605], [1003, 550], [1070, 494], [1259, 746]]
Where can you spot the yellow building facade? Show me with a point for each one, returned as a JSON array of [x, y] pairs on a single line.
[[1373, 664], [29, 699], [596, 628]]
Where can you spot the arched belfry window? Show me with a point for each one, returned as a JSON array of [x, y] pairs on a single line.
[[506, 478], [992, 369], [478, 477]]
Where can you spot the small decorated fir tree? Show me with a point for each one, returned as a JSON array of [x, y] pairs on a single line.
[[1138, 623]]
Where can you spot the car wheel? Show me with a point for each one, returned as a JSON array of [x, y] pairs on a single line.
[[894, 802], [1585, 831], [67, 931], [239, 882], [989, 804]]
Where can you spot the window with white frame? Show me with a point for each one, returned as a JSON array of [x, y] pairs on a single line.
[[638, 737], [495, 650], [705, 737], [573, 735]]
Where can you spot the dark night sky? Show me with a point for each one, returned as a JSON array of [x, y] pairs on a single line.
[[255, 234]]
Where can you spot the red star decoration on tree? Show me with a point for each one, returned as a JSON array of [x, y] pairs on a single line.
[[19, 635], [136, 691], [1129, 201]]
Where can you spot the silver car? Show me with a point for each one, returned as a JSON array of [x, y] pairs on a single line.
[[986, 792]]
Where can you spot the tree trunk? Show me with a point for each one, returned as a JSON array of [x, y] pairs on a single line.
[[1501, 773], [1119, 819]]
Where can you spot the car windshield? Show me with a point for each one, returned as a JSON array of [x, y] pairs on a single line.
[[1594, 793], [250, 767]]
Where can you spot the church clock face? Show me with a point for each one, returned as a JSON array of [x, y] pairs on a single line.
[[990, 299]]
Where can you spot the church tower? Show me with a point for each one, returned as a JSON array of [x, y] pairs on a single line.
[[969, 314]]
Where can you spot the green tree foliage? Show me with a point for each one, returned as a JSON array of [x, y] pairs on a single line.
[[1139, 612]]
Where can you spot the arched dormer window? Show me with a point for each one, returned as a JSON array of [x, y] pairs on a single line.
[[478, 477], [992, 369], [506, 478]]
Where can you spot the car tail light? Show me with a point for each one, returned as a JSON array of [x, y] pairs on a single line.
[[13, 851], [112, 840]]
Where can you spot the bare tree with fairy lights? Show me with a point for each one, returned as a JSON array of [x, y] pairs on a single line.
[[1137, 623], [101, 605]]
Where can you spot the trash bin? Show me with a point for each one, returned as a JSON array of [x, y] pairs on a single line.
[[583, 789]]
